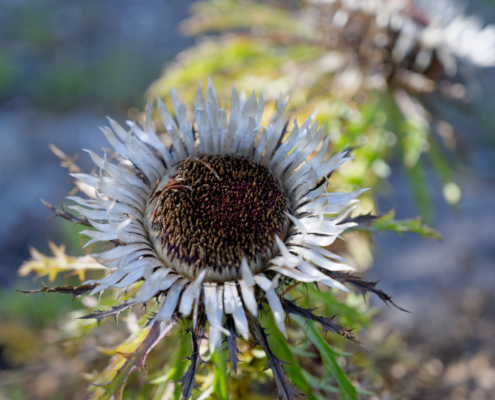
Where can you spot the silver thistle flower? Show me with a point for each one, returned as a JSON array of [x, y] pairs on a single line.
[[218, 223]]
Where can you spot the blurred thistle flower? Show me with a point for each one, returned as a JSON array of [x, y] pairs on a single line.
[[223, 223], [408, 43]]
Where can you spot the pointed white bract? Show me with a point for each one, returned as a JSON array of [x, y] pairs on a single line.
[[273, 301], [298, 159], [247, 283], [190, 294]]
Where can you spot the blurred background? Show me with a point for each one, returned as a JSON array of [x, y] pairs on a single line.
[[64, 66]]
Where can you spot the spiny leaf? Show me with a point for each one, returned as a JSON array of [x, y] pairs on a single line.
[[293, 368], [188, 379], [76, 291], [348, 313], [328, 324], [387, 222], [231, 341], [364, 219], [285, 389], [112, 311], [361, 284]]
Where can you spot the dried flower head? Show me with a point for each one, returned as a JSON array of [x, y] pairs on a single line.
[[409, 43]]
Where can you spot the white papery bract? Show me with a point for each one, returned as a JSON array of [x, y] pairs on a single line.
[[122, 191]]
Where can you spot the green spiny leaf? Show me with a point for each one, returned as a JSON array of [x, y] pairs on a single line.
[[387, 222], [329, 357]]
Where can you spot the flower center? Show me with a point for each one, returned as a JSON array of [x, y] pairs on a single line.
[[214, 210]]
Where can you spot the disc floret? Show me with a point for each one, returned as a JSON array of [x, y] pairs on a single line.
[[215, 210]]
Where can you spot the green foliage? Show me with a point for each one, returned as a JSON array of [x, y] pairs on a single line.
[[220, 375], [221, 15], [173, 369], [329, 357], [6, 74], [388, 222]]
